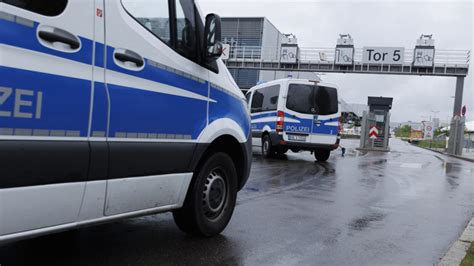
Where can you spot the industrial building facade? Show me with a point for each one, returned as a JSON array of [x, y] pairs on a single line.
[[252, 32], [256, 32]]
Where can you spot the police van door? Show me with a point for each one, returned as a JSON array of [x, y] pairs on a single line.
[[325, 122], [300, 109], [158, 100], [45, 94]]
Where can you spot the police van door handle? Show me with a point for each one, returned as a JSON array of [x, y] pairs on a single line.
[[58, 39], [125, 57]]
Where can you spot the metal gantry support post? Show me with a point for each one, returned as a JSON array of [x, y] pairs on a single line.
[[456, 134], [458, 96], [387, 131], [364, 134]]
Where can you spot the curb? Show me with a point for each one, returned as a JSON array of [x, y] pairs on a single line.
[[463, 158], [446, 154], [457, 251]]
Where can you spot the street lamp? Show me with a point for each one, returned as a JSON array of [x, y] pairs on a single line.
[[434, 114]]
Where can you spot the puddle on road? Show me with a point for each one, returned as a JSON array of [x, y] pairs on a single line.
[[360, 224], [364, 164], [271, 176]]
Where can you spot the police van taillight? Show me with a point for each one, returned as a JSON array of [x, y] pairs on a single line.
[[279, 123]]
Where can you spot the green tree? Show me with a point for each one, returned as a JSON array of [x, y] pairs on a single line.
[[403, 132]]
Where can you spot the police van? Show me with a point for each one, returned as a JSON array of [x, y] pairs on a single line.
[[116, 109], [300, 115]]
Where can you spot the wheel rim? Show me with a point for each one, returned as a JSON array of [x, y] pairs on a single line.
[[265, 147], [214, 195]]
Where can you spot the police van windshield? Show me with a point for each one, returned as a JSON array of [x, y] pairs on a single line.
[[312, 99]]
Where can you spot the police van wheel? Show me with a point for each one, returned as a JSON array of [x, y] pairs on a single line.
[[267, 148], [322, 155], [211, 198]]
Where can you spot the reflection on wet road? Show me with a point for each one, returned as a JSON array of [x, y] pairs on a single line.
[[402, 207]]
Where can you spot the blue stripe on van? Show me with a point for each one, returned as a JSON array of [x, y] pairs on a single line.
[[304, 126], [68, 107], [65, 104], [17, 35], [227, 106], [260, 115], [100, 111], [99, 55], [133, 110], [323, 129]]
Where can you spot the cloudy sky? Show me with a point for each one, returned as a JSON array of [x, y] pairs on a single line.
[[375, 23]]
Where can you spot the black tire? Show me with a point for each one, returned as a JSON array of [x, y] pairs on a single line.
[[267, 147], [322, 155], [211, 198]]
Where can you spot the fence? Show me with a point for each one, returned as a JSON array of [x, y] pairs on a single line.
[[327, 55]]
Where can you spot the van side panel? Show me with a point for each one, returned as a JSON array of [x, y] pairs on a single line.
[[28, 208], [45, 100], [149, 158], [148, 191], [27, 163]]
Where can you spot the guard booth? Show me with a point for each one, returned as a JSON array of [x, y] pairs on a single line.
[[376, 125]]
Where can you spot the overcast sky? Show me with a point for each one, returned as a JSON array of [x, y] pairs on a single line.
[[375, 23]]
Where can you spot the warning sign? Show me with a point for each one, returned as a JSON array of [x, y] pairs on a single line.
[[373, 133], [225, 51], [428, 130]]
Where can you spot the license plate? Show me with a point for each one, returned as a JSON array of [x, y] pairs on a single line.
[[296, 137]]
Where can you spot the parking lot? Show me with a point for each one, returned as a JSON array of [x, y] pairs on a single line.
[[402, 207]]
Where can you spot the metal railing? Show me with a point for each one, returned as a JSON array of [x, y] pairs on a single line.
[[327, 55], [446, 62]]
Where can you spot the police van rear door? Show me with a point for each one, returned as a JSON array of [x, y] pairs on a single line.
[[45, 94], [299, 113], [325, 121]]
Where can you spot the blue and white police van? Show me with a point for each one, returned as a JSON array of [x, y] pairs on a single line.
[[300, 115], [115, 109]]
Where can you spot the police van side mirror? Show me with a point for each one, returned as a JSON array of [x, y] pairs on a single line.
[[212, 38]]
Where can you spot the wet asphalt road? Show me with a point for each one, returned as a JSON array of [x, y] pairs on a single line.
[[402, 207]]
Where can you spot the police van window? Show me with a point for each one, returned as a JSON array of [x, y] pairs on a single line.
[[43, 7], [270, 98], [326, 100], [257, 101], [153, 15], [186, 28], [311, 99], [265, 99]]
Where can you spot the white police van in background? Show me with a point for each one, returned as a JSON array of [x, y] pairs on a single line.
[[295, 114], [114, 109]]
